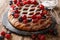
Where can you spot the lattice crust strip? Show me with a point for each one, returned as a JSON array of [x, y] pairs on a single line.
[[29, 10]]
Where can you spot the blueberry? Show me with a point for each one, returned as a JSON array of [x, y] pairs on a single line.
[[20, 19], [29, 20], [13, 13], [44, 17], [1, 38], [16, 8], [55, 32], [11, 2]]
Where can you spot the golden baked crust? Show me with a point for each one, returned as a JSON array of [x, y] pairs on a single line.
[[41, 24]]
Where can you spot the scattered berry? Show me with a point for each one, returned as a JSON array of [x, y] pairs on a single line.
[[24, 21], [33, 36], [8, 36], [41, 7], [3, 33], [16, 15], [41, 37], [24, 17]]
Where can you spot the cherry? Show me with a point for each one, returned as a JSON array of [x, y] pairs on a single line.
[[29, 1], [3, 33], [12, 6], [39, 17], [16, 11], [44, 12], [25, 2], [11, 2], [24, 17], [8, 36], [35, 20], [41, 7], [25, 21], [34, 16], [16, 15], [15, 1], [18, 3], [33, 1]]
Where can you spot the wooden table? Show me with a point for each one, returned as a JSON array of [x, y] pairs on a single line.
[[4, 5]]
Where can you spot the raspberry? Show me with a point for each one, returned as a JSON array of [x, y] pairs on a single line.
[[35, 20], [13, 7], [18, 3], [41, 7], [16, 15], [29, 1], [25, 2], [16, 11], [39, 17], [15, 1], [25, 21], [8, 36], [33, 1], [34, 17], [3, 33], [24, 17], [44, 12]]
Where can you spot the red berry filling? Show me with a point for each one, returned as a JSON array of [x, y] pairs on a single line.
[[16, 15], [18, 3], [34, 17], [39, 17], [15, 1], [44, 12], [41, 7], [24, 17], [25, 21], [16, 11], [33, 1], [12, 6]]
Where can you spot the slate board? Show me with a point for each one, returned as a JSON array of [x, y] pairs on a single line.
[[8, 26]]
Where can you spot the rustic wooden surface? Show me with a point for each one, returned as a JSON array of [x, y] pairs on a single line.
[[4, 5]]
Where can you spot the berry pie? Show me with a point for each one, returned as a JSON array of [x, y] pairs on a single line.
[[28, 15]]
